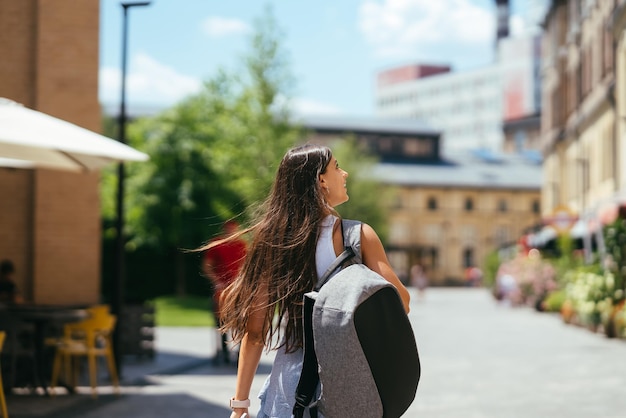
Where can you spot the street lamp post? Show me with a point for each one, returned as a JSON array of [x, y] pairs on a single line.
[[117, 299]]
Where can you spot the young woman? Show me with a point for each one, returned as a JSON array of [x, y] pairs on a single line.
[[296, 239]]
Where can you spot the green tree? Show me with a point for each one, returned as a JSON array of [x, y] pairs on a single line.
[[259, 118], [212, 156], [180, 199], [615, 259]]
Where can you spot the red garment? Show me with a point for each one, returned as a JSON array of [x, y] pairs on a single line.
[[226, 260]]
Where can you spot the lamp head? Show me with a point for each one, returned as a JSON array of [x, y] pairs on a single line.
[[126, 4]]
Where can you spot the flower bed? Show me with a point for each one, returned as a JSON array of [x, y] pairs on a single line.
[[592, 296], [525, 280], [589, 295]]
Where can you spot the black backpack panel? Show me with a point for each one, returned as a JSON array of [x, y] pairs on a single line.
[[396, 378]]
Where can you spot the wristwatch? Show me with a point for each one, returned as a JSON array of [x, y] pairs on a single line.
[[234, 403]]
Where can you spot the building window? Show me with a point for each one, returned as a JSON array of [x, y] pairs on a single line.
[[468, 234], [468, 257], [502, 206], [432, 203], [536, 207], [520, 140], [399, 232], [608, 170], [418, 147], [432, 232], [434, 256], [608, 48], [579, 80], [397, 202], [501, 235], [469, 204], [613, 159], [385, 144]]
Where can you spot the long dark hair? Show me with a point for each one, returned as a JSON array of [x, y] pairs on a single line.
[[280, 264]]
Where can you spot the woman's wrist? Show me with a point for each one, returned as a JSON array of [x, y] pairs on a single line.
[[239, 404]]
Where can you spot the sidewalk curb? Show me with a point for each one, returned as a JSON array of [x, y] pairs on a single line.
[[166, 370]]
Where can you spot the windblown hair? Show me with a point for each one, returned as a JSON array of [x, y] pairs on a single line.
[[280, 265]]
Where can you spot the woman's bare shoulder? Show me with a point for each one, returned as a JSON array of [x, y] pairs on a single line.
[[368, 234]]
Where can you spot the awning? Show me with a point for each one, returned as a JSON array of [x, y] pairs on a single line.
[[32, 139]]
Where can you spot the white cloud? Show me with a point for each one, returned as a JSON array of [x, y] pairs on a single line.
[[109, 84], [151, 84], [401, 28], [148, 81], [307, 107], [301, 106], [216, 26]]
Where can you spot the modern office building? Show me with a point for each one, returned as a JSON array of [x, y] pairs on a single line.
[[469, 107], [465, 106]]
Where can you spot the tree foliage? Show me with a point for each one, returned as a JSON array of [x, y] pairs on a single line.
[[215, 153], [213, 156]]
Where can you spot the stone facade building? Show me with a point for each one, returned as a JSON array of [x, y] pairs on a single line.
[[584, 102], [450, 208]]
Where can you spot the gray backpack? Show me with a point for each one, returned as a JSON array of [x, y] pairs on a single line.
[[358, 342]]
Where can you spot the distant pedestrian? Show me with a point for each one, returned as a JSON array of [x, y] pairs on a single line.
[[507, 289], [221, 264], [473, 276], [419, 280]]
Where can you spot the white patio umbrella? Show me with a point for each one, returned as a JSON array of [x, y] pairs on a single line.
[[32, 139]]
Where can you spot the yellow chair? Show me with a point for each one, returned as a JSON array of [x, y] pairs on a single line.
[[94, 311], [3, 401], [90, 338]]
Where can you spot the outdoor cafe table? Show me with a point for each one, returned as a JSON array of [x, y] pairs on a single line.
[[44, 317]]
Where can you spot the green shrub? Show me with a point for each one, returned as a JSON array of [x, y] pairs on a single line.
[[554, 301], [490, 269]]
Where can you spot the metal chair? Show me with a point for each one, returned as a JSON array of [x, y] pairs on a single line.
[[19, 350]]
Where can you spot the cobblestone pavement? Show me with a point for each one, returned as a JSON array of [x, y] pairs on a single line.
[[479, 359]]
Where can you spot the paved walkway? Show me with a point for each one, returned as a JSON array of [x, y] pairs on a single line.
[[479, 360]]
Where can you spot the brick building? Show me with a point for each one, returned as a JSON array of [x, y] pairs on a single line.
[[50, 220]]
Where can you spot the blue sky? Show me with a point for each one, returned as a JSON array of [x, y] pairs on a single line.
[[335, 47]]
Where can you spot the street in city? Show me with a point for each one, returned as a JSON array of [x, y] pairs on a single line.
[[479, 359]]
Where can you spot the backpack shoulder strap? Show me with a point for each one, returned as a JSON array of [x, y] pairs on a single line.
[[351, 235]]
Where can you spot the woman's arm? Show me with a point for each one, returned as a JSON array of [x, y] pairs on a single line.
[[249, 356], [375, 258]]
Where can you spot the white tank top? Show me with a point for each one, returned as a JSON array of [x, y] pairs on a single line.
[[325, 252]]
